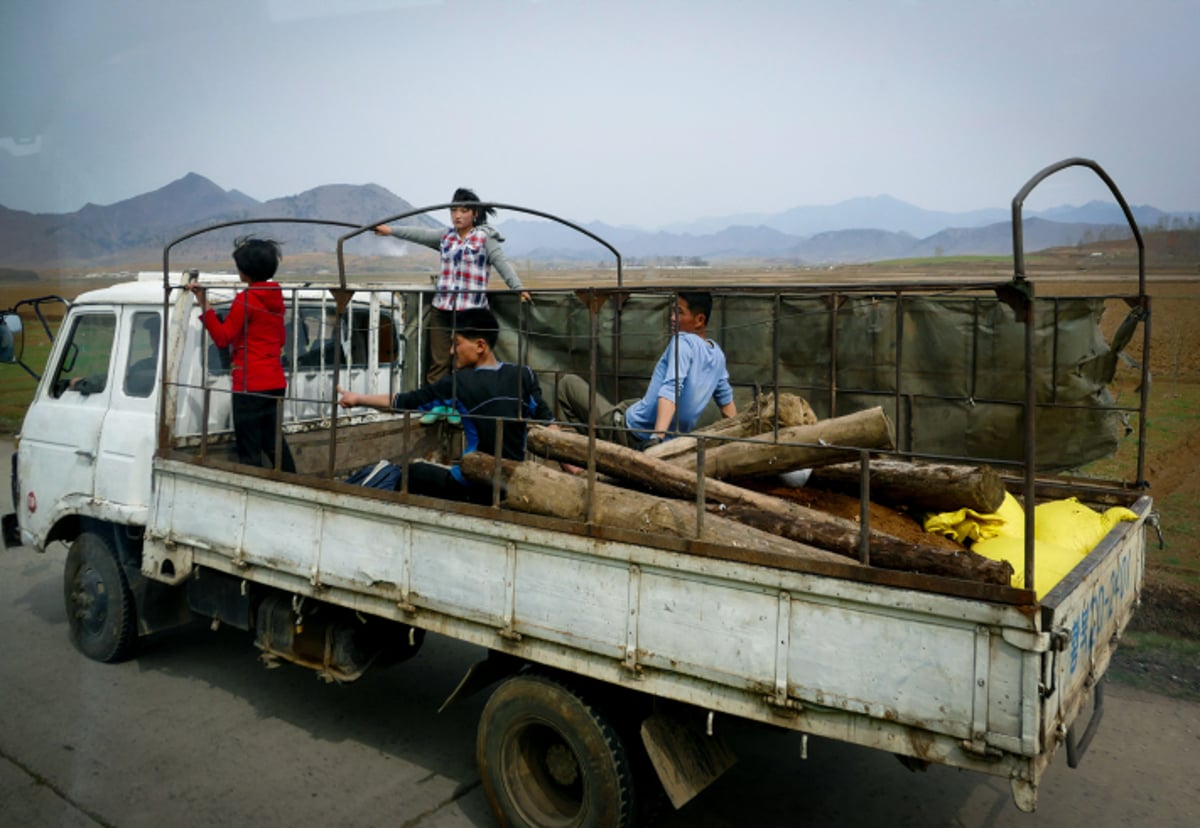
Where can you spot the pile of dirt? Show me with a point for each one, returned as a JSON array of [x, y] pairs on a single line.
[[1158, 669], [1169, 607]]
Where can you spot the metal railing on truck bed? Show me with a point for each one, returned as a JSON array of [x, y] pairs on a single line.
[[979, 372]]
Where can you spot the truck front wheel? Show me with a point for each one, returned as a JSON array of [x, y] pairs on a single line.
[[100, 608], [548, 758]]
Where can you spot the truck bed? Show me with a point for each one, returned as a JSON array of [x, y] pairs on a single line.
[[940, 670]]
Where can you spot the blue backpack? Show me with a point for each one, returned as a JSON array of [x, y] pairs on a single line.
[[382, 475]]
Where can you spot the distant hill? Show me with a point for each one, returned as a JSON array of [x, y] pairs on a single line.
[[884, 212], [8, 274], [859, 230], [881, 212], [137, 229], [542, 241]]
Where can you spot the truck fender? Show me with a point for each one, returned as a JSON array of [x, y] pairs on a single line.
[[76, 514], [686, 753], [483, 674], [158, 606]]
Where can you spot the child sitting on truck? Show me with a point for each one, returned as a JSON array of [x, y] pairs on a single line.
[[690, 372], [481, 390], [254, 327]]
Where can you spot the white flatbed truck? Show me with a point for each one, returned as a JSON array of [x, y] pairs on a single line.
[[614, 650]]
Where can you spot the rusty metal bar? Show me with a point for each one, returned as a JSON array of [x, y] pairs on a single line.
[[359, 229], [674, 323], [1140, 479], [833, 352], [205, 407], [1054, 303], [864, 506], [1019, 200], [498, 457], [776, 348], [278, 462], [1030, 439], [899, 378], [593, 335], [1030, 389], [405, 461], [330, 461]]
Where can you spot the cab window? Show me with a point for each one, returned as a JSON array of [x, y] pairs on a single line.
[[316, 341], [84, 364], [141, 368]]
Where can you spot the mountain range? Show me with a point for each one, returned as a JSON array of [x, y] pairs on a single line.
[[858, 230]]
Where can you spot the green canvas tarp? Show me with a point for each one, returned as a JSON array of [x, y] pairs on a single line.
[[948, 370]]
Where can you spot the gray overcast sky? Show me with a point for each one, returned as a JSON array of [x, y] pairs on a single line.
[[627, 112]]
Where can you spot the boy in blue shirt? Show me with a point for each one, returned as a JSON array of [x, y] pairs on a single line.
[[690, 372]]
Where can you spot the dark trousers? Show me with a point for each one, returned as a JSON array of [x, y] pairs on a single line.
[[254, 429], [572, 396], [432, 480], [439, 328]]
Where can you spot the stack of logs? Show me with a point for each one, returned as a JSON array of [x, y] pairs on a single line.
[[658, 490]]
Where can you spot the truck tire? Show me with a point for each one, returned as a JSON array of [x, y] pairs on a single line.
[[548, 758], [100, 607]]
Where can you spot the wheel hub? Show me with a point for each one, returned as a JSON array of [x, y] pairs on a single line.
[[87, 598], [561, 764]]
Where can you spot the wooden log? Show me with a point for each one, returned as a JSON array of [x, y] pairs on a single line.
[[539, 489], [772, 514], [870, 429], [926, 487], [887, 552], [759, 418]]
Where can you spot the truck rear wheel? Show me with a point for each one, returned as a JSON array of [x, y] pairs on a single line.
[[548, 758], [100, 608]]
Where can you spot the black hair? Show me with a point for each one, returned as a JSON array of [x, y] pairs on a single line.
[[477, 323], [257, 258], [698, 301], [462, 194]]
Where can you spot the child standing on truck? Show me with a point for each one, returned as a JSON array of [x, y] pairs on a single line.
[[254, 327], [481, 391], [469, 249]]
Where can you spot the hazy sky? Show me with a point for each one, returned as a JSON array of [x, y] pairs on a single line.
[[626, 112]]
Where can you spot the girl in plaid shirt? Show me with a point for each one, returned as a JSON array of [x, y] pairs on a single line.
[[469, 249]]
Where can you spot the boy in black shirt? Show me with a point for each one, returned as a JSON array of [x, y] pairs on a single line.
[[480, 390]]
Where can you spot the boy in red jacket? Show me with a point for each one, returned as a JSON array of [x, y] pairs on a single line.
[[254, 327]]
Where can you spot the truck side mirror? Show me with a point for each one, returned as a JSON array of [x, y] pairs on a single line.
[[11, 339]]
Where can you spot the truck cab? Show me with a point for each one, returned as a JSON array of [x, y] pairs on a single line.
[[88, 438]]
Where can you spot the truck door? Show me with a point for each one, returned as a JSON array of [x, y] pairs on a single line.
[[60, 438], [127, 435]]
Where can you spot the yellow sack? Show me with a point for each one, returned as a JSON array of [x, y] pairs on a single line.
[[1065, 532], [1073, 525], [966, 525], [1051, 561]]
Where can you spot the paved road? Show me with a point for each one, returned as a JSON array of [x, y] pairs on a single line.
[[196, 732]]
